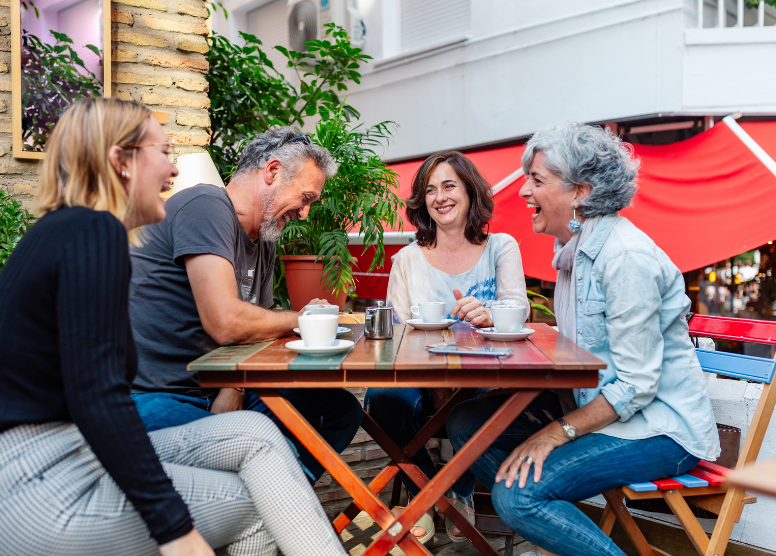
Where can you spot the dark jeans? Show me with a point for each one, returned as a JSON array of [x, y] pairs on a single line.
[[397, 411], [334, 413], [543, 512]]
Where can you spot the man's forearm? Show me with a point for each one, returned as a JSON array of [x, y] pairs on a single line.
[[247, 324]]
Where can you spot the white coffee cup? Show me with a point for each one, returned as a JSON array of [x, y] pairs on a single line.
[[508, 319], [429, 311], [322, 309], [318, 330]]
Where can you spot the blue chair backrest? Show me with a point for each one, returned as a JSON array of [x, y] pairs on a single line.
[[756, 369]]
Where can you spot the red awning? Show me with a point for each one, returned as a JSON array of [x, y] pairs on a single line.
[[701, 200]]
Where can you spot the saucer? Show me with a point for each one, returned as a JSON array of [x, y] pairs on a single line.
[[491, 334], [420, 325], [337, 347], [340, 330]]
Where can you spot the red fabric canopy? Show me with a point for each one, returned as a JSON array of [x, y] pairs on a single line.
[[701, 200]]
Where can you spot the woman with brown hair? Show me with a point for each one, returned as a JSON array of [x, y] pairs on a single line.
[[455, 260], [78, 473]]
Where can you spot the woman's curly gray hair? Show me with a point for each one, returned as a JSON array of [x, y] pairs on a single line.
[[586, 155], [290, 147]]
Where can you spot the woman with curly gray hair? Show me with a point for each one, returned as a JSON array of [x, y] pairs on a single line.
[[619, 296]]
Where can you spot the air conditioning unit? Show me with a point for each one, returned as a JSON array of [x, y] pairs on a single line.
[[306, 20]]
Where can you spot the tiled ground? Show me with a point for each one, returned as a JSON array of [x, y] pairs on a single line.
[[359, 534]]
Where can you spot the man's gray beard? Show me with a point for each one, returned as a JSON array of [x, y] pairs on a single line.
[[269, 230]]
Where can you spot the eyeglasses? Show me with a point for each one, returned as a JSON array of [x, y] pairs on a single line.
[[168, 148], [304, 138]]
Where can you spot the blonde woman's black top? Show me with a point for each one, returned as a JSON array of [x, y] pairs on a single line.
[[67, 353]]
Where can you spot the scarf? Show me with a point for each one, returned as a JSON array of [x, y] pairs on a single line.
[[566, 293], [565, 290]]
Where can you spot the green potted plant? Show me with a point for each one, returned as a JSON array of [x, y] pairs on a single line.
[[249, 95], [15, 220], [362, 197]]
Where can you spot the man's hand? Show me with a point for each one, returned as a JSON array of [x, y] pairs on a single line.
[[315, 302], [190, 544], [228, 399], [470, 309]]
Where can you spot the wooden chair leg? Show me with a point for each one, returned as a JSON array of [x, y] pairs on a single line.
[[687, 520], [725, 522], [615, 499], [607, 520]]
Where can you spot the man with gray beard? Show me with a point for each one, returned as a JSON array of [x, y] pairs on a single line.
[[202, 278]]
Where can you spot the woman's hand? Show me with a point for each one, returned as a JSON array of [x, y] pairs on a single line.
[[533, 451], [228, 399], [190, 544], [471, 310]]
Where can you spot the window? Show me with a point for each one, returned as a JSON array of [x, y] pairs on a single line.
[[427, 22]]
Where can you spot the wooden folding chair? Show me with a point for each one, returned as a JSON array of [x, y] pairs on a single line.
[[705, 486]]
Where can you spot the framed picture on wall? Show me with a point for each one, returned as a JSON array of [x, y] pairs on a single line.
[[60, 53]]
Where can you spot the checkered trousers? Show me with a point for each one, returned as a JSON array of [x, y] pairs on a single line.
[[236, 473]]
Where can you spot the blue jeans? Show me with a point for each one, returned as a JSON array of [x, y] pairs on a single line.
[[334, 413], [543, 512], [397, 411]]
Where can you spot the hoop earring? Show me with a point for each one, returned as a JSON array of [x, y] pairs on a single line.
[[574, 224]]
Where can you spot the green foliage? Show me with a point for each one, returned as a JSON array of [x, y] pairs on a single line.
[[538, 306], [14, 223], [249, 95], [756, 3], [54, 77], [362, 196]]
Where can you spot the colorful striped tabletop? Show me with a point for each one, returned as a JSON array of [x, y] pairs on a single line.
[[545, 360]]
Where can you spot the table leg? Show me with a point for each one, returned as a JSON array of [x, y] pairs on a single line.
[[420, 479], [419, 440], [341, 472], [462, 461]]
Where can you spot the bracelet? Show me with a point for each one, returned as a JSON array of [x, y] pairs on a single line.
[[240, 390]]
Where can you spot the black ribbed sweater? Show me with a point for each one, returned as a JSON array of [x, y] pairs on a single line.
[[67, 353]]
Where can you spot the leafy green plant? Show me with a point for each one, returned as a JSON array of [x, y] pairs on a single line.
[[538, 306], [756, 3], [362, 197], [249, 95], [53, 78], [15, 220]]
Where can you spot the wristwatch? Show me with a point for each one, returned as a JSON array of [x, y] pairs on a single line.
[[569, 431]]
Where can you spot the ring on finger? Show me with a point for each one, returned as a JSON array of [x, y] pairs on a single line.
[[519, 458], [529, 460]]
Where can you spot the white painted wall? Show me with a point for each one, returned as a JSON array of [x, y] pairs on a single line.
[[524, 64]]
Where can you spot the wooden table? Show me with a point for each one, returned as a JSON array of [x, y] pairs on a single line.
[[546, 360], [760, 477]]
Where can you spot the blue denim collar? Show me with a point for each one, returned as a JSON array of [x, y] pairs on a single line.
[[596, 241]]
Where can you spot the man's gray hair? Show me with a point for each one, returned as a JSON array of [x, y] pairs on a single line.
[[586, 155], [290, 147]]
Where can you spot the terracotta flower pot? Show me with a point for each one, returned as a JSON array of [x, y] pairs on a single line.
[[303, 278]]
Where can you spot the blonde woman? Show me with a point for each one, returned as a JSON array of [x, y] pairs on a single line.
[[78, 474]]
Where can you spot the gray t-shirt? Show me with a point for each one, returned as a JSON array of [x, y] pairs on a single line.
[[165, 321]]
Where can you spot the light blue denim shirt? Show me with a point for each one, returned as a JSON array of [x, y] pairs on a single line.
[[631, 309]]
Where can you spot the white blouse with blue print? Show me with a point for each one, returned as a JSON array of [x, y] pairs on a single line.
[[498, 275]]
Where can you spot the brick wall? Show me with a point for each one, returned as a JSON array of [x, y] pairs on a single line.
[[17, 177], [158, 59]]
